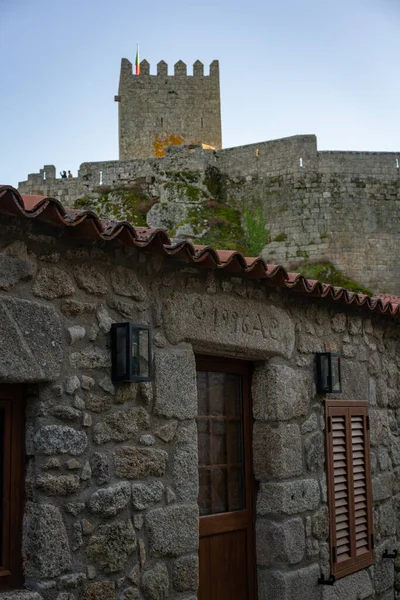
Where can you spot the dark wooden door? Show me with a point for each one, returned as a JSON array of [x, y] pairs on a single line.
[[226, 555], [12, 479]]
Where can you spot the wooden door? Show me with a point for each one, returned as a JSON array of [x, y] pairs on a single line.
[[226, 555]]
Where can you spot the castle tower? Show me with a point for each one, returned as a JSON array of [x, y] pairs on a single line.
[[162, 110]]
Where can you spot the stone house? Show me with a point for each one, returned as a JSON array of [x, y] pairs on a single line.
[[229, 467]]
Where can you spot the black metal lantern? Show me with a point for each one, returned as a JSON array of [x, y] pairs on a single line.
[[328, 373], [131, 346]]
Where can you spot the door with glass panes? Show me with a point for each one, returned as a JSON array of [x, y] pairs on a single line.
[[226, 554]]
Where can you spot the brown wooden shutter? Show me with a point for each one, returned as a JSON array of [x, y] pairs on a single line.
[[349, 486]]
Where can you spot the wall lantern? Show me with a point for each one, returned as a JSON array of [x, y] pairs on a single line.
[[131, 347], [328, 373]]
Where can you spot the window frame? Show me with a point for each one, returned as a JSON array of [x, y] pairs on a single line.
[[12, 401], [233, 366], [348, 409]]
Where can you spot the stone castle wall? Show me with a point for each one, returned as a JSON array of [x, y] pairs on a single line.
[[162, 110], [343, 207], [112, 482]]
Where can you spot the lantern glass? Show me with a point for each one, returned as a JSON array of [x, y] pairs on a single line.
[[144, 352], [328, 373], [324, 375], [131, 352], [336, 385], [121, 355]]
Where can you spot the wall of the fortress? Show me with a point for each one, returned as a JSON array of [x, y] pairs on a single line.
[[350, 221], [268, 159], [339, 206], [93, 176]]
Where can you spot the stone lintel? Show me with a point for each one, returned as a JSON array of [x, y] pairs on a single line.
[[227, 325]]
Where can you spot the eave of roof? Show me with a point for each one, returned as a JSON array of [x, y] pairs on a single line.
[[86, 224]]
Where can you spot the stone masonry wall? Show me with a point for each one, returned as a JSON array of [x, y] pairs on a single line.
[[352, 221], [341, 207], [94, 177], [111, 483], [162, 110]]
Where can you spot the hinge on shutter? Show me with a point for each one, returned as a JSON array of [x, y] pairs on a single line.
[[334, 553], [387, 554], [329, 424], [368, 422], [372, 541]]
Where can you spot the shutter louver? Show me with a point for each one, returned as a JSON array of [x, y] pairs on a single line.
[[341, 489], [359, 479], [349, 486]]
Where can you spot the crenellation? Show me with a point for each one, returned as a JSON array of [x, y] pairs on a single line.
[[126, 67], [198, 69], [214, 69], [48, 172], [180, 69], [144, 67], [162, 68]]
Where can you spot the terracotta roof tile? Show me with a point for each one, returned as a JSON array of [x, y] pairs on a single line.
[[86, 224]]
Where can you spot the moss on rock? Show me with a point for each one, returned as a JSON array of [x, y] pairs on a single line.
[[122, 204], [214, 224], [215, 182], [327, 273]]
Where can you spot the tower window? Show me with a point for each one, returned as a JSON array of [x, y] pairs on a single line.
[[202, 122], [162, 121]]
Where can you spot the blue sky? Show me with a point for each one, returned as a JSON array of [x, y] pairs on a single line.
[[287, 67]]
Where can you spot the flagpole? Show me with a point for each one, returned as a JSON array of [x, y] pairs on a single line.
[[137, 62]]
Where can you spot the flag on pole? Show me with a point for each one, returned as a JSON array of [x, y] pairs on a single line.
[[137, 63]]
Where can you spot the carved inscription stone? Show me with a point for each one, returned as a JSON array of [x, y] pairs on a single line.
[[228, 324]]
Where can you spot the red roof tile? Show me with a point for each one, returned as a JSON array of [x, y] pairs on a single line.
[[86, 224], [31, 201]]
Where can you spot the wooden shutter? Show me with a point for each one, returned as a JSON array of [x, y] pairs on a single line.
[[349, 486]]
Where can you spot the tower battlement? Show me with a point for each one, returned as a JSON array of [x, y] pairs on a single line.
[[180, 69], [160, 110]]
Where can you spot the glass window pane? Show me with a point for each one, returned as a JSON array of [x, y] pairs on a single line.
[[236, 489], [204, 492], [233, 395], [235, 442], [216, 393], [219, 491], [202, 393], [218, 442], [203, 437], [143, 353]]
